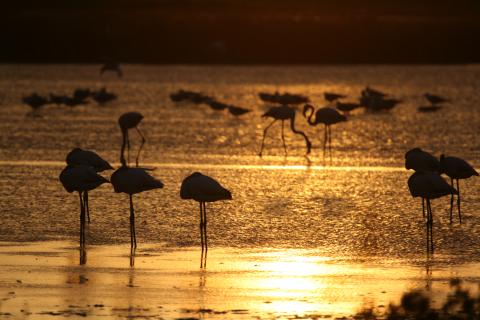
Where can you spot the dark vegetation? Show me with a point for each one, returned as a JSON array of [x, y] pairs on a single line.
[[459, 304], [240, 31]]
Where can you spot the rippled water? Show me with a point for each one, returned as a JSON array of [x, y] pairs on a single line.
[[357, 205]]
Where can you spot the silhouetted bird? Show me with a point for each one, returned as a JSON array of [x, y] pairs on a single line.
[[327, 116], [369, 92], [419, 160], [103, 96], [346, 107], [434, 99], [283, 113], [237, 111], [57, 99], [217, 105], [87, 158], [284, 99], [81, 94], [456, 168], [428, 186], [330, 96], [203, 189], [132, 181], [112, 66], [432, 108], [128, 121], [82, 179], [35, 101]]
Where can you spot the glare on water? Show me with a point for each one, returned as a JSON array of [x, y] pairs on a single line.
[[301, 236]]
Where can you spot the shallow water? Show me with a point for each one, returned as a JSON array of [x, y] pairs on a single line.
[[355, 207]]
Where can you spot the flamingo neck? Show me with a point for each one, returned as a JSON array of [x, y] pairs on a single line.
[[310, 116], [307, 141], [122, 151]]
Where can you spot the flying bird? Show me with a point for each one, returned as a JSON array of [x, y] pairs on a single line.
[[131, 181], [456, 169], [326, 115], [202, 188], [283, 113], [128, 121]]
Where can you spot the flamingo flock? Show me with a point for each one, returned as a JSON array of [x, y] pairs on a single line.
[[428, 184]]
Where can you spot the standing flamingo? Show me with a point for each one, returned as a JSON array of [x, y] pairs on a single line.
[[327, 116], [203, 189], [81, 178], [87, 158], [132, 181], [429, 185], [456, 168], [283, 113], [434, 99], [128, 121], [331, 96], [112, 66]]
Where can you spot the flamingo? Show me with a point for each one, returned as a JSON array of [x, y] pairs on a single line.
[[237, 111], [81, 178], [87, 158], [103, 96], [330, 96], [456, 168], [346, 107], [131, 181], [434, 99], [283, 113], [112, 66], [128, 121], [419, 160], [327, 116], [429, 185], [202, 188]]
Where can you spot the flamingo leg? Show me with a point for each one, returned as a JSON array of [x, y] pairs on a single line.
[[133, 238], [201, 233], [325, 137], [283, 138], [85, 200], [429, 206], [451, 202], [458, 202], [82, 217], [264, 135], [423, 207], [330, 142], [205, 234], [141, 145]]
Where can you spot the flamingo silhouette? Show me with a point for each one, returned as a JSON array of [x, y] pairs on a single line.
[[131, 181], [434, 99], [283, 113], [331, 96], [203, 189], [429, 185], [327, 116], [128, 121], [419, 160], [87, 158], [81, 178], [456, 168]]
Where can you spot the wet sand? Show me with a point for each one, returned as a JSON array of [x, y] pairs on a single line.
[[42, 280]]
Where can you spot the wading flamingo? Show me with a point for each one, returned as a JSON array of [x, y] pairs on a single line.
[[128, 121], [327, 116], [283, 113], [132, 181], [456, 168], [203, 189], [87, 158], [428, 186]]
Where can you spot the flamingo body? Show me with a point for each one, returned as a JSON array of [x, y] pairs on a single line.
[[429, 185], [87, 158], [80, 178], [456, 168], [420, 160], [202, 188], [133, 180]]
